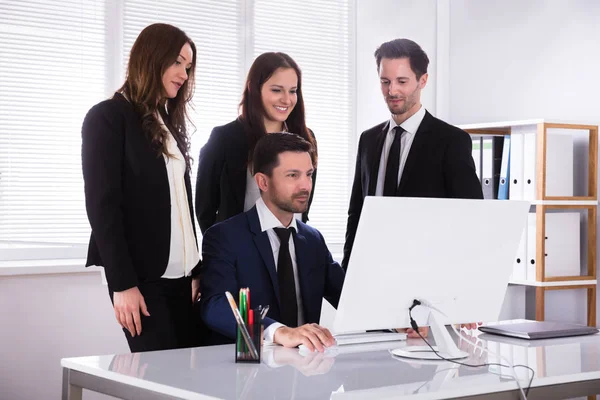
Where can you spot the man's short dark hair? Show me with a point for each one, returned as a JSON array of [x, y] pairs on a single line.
[[404, 48], [268, 148]]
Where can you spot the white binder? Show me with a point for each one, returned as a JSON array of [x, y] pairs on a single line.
[[487, 168], [529, 164], [516, 165], [476, 153], [562, 253], [531, 246], [520, 264], [559, 164]]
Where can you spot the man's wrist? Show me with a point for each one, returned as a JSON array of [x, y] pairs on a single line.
[[280, 330], [269, 334]]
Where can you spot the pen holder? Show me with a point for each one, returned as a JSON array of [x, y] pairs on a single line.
[[243, 353]]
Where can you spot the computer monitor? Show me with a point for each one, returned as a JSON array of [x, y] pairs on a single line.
[[453, 255]]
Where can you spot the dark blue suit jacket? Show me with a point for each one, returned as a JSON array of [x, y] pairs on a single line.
[[237, 254]]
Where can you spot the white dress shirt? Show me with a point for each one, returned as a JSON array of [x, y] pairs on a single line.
[[410, 127], [268, 221], [183, 253]]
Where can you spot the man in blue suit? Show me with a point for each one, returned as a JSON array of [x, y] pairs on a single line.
[[284, 262]]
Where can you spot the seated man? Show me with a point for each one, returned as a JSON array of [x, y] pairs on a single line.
[[283, 261]]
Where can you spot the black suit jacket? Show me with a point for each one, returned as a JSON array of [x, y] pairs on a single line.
[[221, 179], [127, 196], [439, 164]]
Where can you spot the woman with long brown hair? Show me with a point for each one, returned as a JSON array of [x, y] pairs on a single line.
[[271, 102], [136, 164]]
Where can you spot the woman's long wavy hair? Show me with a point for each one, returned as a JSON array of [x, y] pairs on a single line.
[[154, 51], [252, 109]]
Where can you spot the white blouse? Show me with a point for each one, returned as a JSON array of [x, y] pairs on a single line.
[[183, 254]]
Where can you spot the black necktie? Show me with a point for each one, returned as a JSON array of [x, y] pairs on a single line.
[[390, 184], [285, 277]]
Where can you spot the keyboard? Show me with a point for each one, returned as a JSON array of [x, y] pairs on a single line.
[[368, 337]]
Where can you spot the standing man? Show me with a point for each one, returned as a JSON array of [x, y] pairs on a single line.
[[413, 154]]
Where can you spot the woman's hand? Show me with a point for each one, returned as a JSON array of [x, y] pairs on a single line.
[[127, 305]]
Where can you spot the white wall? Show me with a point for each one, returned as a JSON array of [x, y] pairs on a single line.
[[516, 60], [524, 59], [378, 21], [44, 318]]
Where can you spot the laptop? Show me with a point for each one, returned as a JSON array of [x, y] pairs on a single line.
[[538, 329]]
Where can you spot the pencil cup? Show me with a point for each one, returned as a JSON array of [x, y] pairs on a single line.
[[243, 352]]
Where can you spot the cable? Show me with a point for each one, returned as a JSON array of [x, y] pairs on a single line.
[[415, 327], [512, 366]]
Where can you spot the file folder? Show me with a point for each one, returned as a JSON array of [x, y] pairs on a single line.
[[523, 163], [487, 168], [562, 255], [476, 153], [529, 165], [491, 164], [503, 185], [520, 264], [516, 165], [531, 247], [559, 164]]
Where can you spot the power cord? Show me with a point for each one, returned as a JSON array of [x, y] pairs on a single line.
[[415, 327], [511, 366]]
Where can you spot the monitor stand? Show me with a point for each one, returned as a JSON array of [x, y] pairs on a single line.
[[445, 346]]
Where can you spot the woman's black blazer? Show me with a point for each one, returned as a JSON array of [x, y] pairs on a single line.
[[221, 179], [127, 196]]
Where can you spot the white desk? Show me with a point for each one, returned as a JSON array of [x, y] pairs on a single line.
[[565, 368]]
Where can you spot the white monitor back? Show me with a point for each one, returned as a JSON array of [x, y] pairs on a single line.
[[455, 254]]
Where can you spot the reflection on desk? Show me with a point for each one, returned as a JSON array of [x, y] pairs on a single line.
[[547, 357], [368, 372]]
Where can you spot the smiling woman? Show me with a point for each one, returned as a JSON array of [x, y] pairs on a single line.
[[272, 102], [136, 165]]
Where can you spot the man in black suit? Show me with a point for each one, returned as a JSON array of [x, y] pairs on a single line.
[[413, 154]]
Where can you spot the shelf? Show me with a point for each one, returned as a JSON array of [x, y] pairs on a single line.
[[503, 125], [531, 140], [564, 202], [558, 202], [553, 284]]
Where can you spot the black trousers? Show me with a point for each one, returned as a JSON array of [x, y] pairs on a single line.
[[171, 324]]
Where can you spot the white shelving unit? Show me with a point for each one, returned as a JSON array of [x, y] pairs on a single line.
[[536, 132]]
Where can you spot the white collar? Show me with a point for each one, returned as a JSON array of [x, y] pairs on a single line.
[[411, 125], [268, 220]]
